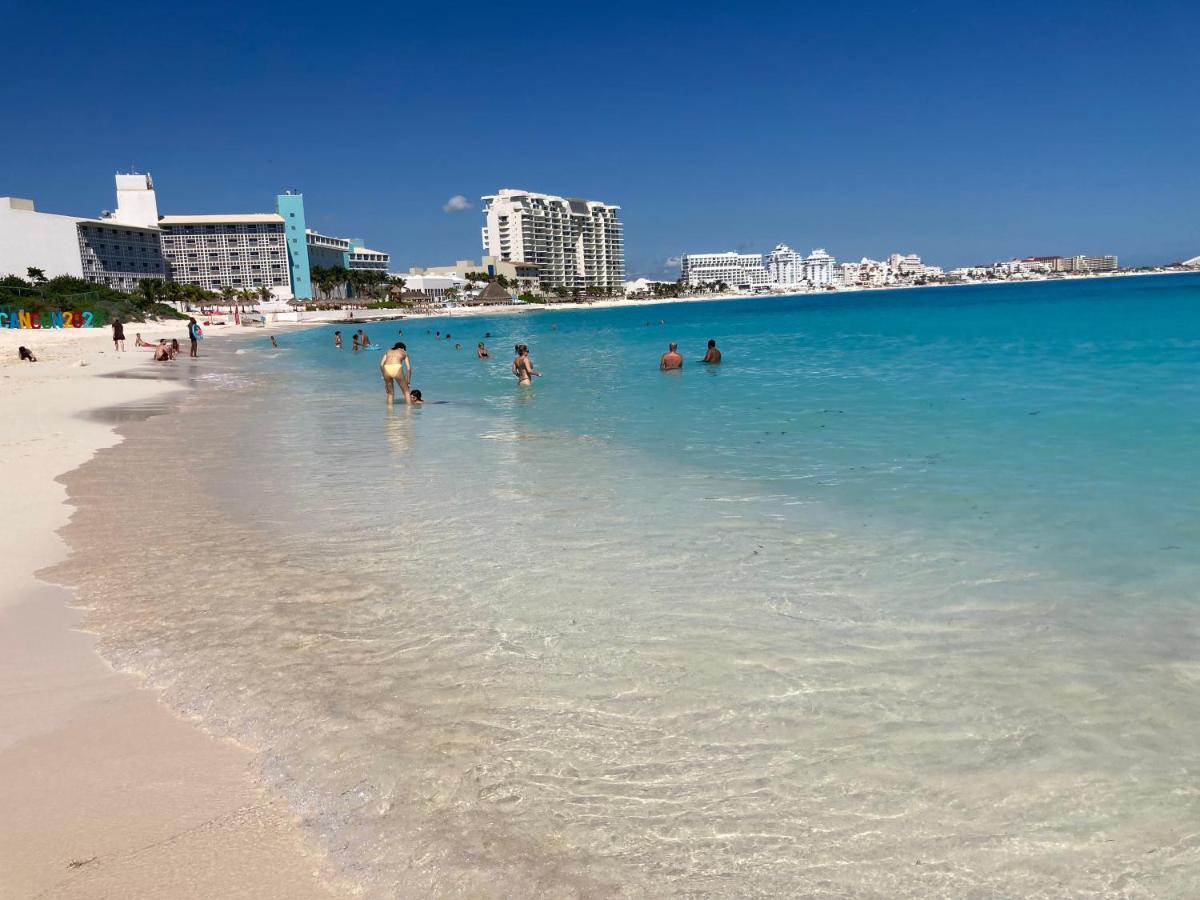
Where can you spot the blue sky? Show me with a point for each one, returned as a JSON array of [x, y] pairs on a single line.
[[963, 132]]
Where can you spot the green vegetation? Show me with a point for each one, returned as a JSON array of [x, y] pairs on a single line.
[[363, 283], [41, 295]]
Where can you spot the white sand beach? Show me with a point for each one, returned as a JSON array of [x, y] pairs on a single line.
[[105, 792]]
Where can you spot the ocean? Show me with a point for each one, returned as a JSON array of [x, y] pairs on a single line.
[[900, 600]]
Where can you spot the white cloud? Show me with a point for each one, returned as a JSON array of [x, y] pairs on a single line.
[[457, 203], [671, 263]]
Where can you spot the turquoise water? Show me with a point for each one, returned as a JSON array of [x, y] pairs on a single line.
[[899, 601], [1056, 418]]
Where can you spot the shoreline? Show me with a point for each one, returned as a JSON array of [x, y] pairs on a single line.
[[106, 791], [458, 312]]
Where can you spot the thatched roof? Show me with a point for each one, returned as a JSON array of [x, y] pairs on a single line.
[[491, 294]]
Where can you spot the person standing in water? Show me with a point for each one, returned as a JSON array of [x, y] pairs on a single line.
[[522, 366], [274, 343], [396, 368], [671, 359], [481, 351], [118, 335], [713, 355], [194, 335], [337, 340]]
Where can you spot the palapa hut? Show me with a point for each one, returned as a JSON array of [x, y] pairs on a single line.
[[492, 295]]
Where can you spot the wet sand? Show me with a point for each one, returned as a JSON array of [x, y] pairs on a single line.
[[105, 792]]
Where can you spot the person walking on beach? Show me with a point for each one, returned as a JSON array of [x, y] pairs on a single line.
[[671, 359], [194, 335], [713, 355], [118, 335], [522, 366], [337, 340], [396, 368]]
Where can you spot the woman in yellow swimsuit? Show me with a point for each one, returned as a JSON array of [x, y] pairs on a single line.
[[396, 368]]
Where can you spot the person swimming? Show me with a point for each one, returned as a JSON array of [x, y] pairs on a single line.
[[414, 397], [396, 368]]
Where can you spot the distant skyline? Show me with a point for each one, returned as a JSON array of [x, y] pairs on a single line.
[[961, 133]]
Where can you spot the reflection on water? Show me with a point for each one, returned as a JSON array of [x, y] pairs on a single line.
[[487, 655]]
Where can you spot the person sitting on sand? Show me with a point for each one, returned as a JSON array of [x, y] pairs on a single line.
[[139, 341], [522, 366], [671, 359], [713, 355], [174, 351], [337, 340], [162, 352], [26, 355], [481, 351], [396, 369]]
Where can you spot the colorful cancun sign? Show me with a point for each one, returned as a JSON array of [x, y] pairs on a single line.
[[71, 318]]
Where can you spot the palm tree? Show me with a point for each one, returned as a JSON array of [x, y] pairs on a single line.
[[451, 294], [150, 289], [264, 294]]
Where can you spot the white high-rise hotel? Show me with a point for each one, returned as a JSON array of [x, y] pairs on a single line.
[[575, 243], [740, 271]]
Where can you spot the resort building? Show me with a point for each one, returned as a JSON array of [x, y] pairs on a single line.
[[1091, 264], [907, 265], [523, 274], [574, 243], [785, 267], [818, 268], [741, 271], [242, 251], [361, 257], [118, 250], [326, 251], [435, 286]]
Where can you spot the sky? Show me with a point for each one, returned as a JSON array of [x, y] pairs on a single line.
[[965, 132]]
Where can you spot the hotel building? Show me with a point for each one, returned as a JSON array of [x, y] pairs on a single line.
[[574, 243], [785, 266], [361, 257], [523, 274], [328, 252], [741, 271], [1091, 264], [117, 250], [242, 250], [818, 268]]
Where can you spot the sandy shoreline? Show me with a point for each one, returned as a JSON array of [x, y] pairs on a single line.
[[106, 793]]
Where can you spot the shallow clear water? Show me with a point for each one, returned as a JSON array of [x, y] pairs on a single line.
[[901, 600]]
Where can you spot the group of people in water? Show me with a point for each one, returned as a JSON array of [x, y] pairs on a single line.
[[673, 359], [395, 366]]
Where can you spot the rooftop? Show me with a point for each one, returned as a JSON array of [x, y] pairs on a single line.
[[234, 219]]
